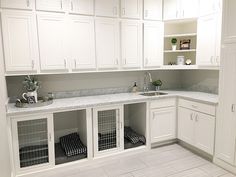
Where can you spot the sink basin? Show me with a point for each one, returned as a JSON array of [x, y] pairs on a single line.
[[154, 93]]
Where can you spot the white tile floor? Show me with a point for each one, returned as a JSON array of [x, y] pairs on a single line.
[[167, 161]]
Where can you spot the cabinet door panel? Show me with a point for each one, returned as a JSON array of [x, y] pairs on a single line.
[[153, 9], [85, 7], [229, 27], [189, 9], [32, 142], [205, 132], [163, 124], [51, 41], [52, 5], [107, 8], [170, 9], [225, 146], [18, 4], [82, 43], [206, 40], [108, 130], [131, 8], [131, 33], [186, 125], [20, 40], [107, 43], [153, 44]]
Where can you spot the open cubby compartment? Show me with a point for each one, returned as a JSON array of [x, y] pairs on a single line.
[[66, 123], [183, 30], [135, 118]]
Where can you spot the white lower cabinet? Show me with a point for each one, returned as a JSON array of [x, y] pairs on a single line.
[[196, 127], [108, 130], [33, 142], [163, 120]]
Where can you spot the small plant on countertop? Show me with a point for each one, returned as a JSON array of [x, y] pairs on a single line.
[[157, 84], [31, 84]]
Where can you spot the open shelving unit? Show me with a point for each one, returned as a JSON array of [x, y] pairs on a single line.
[[180, 31]]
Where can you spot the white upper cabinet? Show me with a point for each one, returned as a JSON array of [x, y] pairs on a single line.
[[229, 27], [208, 40], [107, 8], [107, 43], [51, 5], [180, 9], [20, 40], [82, 43], [85, 7], [131, 44], [51, 29], [18, 4], [209, 7], [153, 44], [152, 10], [131, 8]]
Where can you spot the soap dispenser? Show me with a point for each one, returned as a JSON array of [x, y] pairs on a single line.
[[135, 88]]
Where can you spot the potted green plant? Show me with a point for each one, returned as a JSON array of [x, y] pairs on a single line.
[[174, 43], [31, 85], [157, 84]]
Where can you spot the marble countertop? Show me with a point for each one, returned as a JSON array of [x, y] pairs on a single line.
[[67, 104]]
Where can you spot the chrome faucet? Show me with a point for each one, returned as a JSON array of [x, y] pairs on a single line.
[[148, 77]]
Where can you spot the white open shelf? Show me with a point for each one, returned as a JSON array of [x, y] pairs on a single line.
[[181, 35], [180, 51]]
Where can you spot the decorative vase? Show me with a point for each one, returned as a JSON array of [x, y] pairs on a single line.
[[158, 88], [174, 47], [31, 97]]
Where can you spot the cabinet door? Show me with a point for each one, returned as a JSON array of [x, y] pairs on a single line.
[[82, 43], [205, 132], [226, 130], [186, 125], [85, 7], [153, 10], [33, 142], [107, 43], [107, 8], [108, 130], [153, 44], [206, 40], [206, 7], [163, 124], [131, 39], [51, 41], [171, 9], [189, 9], [20, 40], [131, 8], [18, 4], [52, 5], [229, 26]]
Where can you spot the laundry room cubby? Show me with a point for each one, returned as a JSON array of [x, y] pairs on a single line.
[[135, 122], [70, 136]]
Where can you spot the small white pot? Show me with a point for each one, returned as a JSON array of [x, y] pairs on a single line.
[[31, 94], [174, 47]]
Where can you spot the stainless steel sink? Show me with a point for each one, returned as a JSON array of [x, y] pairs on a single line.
[[154, 93]]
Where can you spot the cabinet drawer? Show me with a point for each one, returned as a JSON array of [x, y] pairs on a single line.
[[200, 107], [163, 103]]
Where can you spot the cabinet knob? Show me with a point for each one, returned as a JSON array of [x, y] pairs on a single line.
[[28, 3], [65, 63], [75, 62], [61, 4], [123, 11], [212, 59], [115, 10], [32, 64], [196, 118], [72, 5], [191, 116], [233, 108]]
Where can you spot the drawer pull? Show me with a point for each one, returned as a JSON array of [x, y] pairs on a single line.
[[233, 108], [191, 117]]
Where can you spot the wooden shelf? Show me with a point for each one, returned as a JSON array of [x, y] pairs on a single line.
[[179, 51], [180, 35]]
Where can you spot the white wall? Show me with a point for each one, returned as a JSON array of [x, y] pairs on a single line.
[[201, 80], [71, 82], [5, 169]]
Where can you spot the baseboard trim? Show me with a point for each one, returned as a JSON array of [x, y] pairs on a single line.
[[224, 165]]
